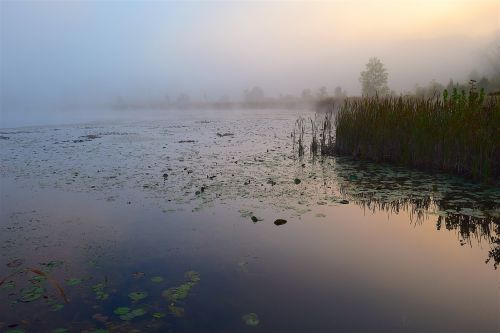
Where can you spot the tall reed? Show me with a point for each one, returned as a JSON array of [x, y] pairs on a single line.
[[458, 133]]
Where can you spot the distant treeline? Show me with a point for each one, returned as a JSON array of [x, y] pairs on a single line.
[[252, 98]]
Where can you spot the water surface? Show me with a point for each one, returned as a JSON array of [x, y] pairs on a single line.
[[116, 214]]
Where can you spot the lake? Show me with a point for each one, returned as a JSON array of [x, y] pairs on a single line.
[[208, 221]]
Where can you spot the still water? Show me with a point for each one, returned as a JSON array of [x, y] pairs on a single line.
[[169, 224]]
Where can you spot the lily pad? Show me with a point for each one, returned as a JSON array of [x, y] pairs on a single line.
[[133, 314], [251, 319], [8, 285], [255, 219], [122, 310], [53, 264], [178, 293], [157, 279], [176, 310], [31, 293], [159, 315], [98, 290], [73, 281], [56, 307], [193, 276], [280, 222], [59, 330], [137, 295]]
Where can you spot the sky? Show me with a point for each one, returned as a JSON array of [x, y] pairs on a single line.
[[75, 52]]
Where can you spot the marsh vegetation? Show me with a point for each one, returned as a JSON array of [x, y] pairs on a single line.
[[456, 133]]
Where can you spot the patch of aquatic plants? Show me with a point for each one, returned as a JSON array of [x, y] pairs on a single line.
[[457, 134], [140, 310]]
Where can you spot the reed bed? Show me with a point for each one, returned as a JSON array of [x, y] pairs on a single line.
[[459, 134]]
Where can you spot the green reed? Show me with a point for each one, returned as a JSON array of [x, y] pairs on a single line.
[[458, 133]]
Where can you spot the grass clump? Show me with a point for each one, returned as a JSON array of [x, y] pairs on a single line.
[[459, 134]]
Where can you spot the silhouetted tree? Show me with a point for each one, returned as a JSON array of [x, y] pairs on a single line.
[[306, 94], [374, 78], [322, 92], [339, 93], [256, 94]]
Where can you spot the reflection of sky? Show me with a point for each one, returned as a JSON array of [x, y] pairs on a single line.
[[73, 52]]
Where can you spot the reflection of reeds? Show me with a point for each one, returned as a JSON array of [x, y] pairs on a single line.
[[375, 190], [458, 134]]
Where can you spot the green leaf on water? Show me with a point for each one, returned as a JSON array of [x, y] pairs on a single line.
[[53, 264], [8, 285], [137, 295], [98, 289], [38, 279], [178, 293], [132, 314], [56, 307], [157, 279], [159, 315], [59, 330], [251, 319], [176, 310], [15, 331], [194, 276], [73, 281], [31, 293], [121, 310]]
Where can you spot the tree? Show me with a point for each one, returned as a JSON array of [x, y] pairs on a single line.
[[322, 92], [374, 78], [256, 94], [339, 93]]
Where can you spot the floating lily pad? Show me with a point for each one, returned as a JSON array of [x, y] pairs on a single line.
[[280, 222], [59, 330], [133, 314], [99, 292], [122, 310], [193, 276], [53, 264], [255, 219], [73, 281], [100, 330], [157, 279], [31, 293], [56, 307], [38, 279], [251, 319], [178, 293], [8, 285], [15, 331], [176, 310], [159, 315], [137, 295]]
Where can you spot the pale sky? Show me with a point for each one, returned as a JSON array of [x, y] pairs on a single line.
[[74, 52]]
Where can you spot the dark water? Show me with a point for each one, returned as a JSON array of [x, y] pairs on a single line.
[[147, 226]]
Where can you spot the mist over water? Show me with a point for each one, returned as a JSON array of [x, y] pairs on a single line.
[[68, 61]]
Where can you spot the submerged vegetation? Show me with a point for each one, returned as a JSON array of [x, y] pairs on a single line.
[[457, 134]]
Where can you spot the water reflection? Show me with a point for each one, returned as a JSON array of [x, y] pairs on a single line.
[[470, 209]]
